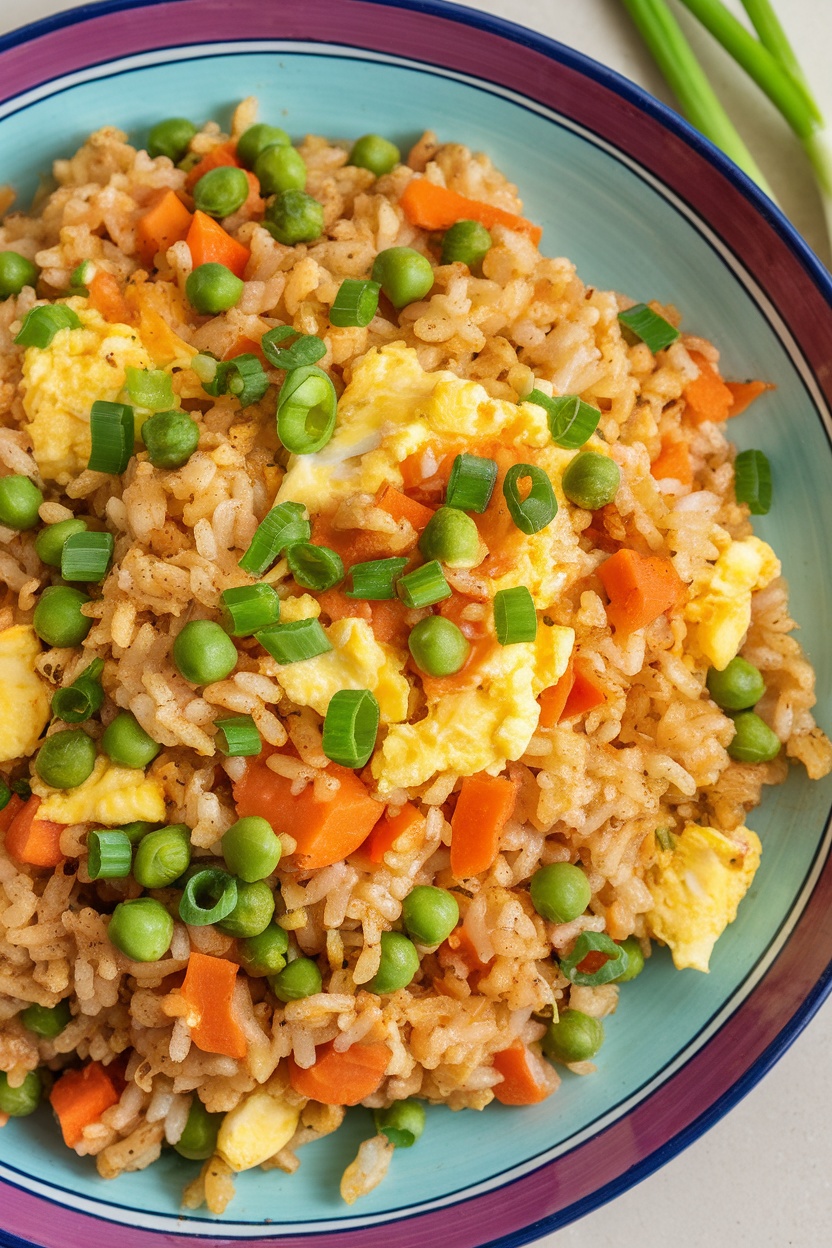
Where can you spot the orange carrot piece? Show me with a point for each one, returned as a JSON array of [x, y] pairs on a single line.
[[9, 811], [209, 243], [208, 988], [673, 461], [484, 806], [707, 397], [245, 346], [325, 832], [400, 507], [106, 298], [388, 830], [341, 1078], [460, 943], [525, 1079], [553, 700], [223, 155], [745, 392], [640, 589], [80, 1097], [353, 545], [166, 222], [432, 207], [585, 693], [32, 841]]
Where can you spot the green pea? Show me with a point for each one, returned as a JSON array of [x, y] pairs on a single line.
[[126, 743], [264, 954], [280, 168], [171, 138], [203, 653], [170, 438], [46, 1021], [438, 646], [22, 1101], [451, 536], [299, 979], [399, 963], [198, 1141], [66, 759], [466, 241], [737, 687], [754, 741], [212, 288], [221, 191], [405, 275], [251, 848], [430, 914], [162, 856], [58, 619], [256, 139], [141, 929], [575, 1037], [591, 480], [402, 1123], [375, 153], [252, 911], [560, 892], [15, 273], [20, 499], [50, 542], [294, 217], [635, 960]]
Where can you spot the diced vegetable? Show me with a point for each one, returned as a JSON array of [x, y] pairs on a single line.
[[484, 806], [673, 461], [526, 1079], [80, 1097], [209, 243], [400, 507], [388, 830], [341, 1078], [222, 154], [585, 693], [33, 841], [106, 297], [706, 397], [208, 989], [165, 223], [745, 392], [640, 589], [432, 207]]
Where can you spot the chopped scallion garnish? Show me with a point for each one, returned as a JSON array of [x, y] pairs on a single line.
[[151, 388], [209, 897], [650, 328], [5, 795], [351, 727], [244, 377], [304, 350], [283, 526], [237, 737], [571, 421], [538, 507], [294, 642], [515, 617], [109, 855], [315, 567], [112, 435], [424, 586], [471, 483], [355, 304], [41, 324], [752, 481], [78, 701], [594, 942], [307, 407], [86, 556], [247, 608], [375, 580]]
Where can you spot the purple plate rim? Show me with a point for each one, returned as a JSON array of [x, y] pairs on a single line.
[[807, 989]]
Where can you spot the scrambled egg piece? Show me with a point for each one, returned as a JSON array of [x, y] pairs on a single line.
[[480, 727], [356, 661], [110, 795], [721, 607], [62, 381], [24, 697], [299, 607], [256, 1129], [697, 889]]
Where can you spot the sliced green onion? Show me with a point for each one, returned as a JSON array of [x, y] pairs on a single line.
[[282, 527], [82, 698], [247, 379], [665, 838], [207, 367], [149, 388], [653, 330], [315, 567], [237, 737], [307, 407], [515, 617], [86, 556], [248, 608], [81, 276], [539, 506], [41, 324], [571, 421], [594, 942], [304, 350], [752, 481], [21, 787], [424, 586], [109, 855], [471, 483], [112, 434], [355, 304], [5, 795], [351, 727], [209, 897], [294, 642], [375, 580]]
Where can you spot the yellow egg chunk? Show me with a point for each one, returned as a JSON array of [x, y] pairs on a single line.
[[697, 889], [479, 728], [356, 661], [110, 795], [62, 381], [721, 606], [24, 697], [299, 607], [255, 1130]]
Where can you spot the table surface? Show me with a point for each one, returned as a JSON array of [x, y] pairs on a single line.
[[761, 1177]]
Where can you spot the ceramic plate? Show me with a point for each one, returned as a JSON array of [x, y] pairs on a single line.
[[642, 205]]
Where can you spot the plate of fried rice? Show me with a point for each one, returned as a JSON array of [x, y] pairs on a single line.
[[414, 447]]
